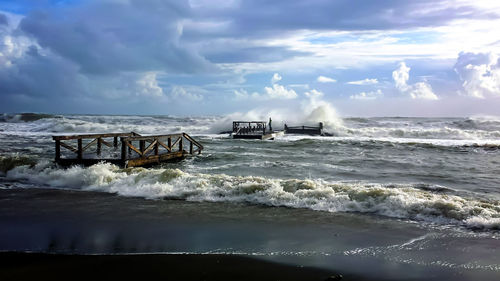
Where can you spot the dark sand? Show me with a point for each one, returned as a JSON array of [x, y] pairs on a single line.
[[280, 243], [31, 266]]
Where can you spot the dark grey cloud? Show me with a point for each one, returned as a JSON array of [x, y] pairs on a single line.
[[270, 18], [109, 36], [239, 54], [40, 76], [95, 50], [3, 20]]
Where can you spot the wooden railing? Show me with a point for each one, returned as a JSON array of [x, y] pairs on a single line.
[[97, 139], [157, 142], [146, 149], [312, 130], [302, 127], [249, 127]]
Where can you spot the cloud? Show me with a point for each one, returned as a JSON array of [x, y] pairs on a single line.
[[236, 51], [109, 51], [401, 76], [314, 94], [279, 92], [276, 77], [27, 71], [180, 93], [300, 86], [324, 79], [367, 95], [366, 81], [147, 86], [420, 90], [122, 36], [246, 19], [479, 73], [276, 91], [3, 20], [242, 94]]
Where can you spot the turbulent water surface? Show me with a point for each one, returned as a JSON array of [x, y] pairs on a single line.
[[435, 174]]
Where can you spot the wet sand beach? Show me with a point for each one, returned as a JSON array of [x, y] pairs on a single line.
[[32, 266], [85, 233]]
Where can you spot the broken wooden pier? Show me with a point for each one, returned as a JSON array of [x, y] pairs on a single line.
[[124, 149], [253, 130], [305, 130]]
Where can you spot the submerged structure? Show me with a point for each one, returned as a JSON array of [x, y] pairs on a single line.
[[305, 130], [124, 149], [253, 130]]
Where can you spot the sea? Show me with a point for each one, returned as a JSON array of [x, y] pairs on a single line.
[[388, 198]]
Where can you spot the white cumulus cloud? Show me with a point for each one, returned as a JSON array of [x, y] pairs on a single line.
[[366, 81], [420, 90], [276, 77], [148, 86], [279, 92], [275, 91], [367, 95], [479, 73], [181, 93], [242, 94], [324, 79], [314, 94]]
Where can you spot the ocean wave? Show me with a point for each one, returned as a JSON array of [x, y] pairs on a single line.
[[8, 163], [470, 130], [366, 142], [422, 133], [402, 201], [25, 117]]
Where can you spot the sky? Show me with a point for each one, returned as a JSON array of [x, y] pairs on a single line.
[[434, 58]]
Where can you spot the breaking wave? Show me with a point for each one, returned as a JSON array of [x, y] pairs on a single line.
[[397, 201], [10, 162], [25, 117], [484, 130]]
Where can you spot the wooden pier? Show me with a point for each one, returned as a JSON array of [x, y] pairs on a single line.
[[124, 149], [253, 130], [305, 130]]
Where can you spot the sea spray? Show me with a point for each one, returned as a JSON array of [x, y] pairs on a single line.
[[320, 111], [310, 112], [403, 201]]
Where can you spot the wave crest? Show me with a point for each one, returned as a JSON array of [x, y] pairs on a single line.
[[396, 201]]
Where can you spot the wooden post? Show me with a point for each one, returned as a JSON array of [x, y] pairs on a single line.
[[156, 148], [80, 150], [180, 144], [58, 150], [170, 143], [99, 144], [115, 142], [190, 147], [124, 150], [142, 146]]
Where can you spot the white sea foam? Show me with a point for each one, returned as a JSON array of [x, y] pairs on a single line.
[[444, 131], [398, 201], [310, 112]]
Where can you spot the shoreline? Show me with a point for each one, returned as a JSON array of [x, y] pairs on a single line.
[[45, 266]]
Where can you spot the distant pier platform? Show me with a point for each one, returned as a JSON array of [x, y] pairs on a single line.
[[123, 149], [253, 130], [305, 130]]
